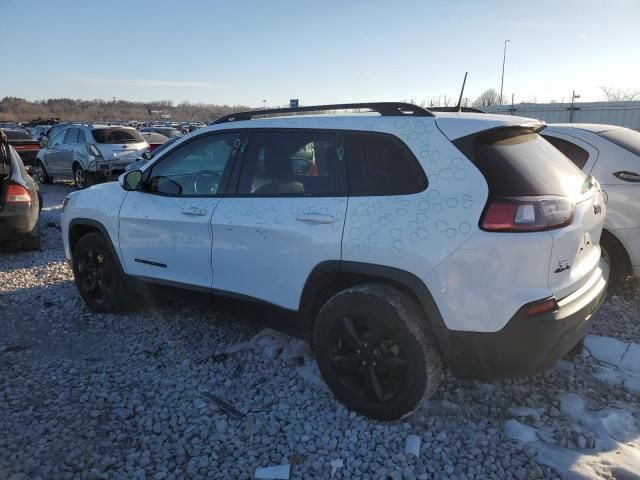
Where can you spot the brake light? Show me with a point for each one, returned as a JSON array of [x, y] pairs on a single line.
[[17, 194], [26, 147], [527, 214]]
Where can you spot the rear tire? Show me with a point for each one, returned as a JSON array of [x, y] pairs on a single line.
[[81, 178], [615, 256], [98, 276], [374, 353], [40, 175]]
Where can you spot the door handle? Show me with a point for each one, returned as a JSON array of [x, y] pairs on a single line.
[[194, 212], [315, 219]]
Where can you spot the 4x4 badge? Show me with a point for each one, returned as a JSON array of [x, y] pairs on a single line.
[[563, 265], [597, 209]]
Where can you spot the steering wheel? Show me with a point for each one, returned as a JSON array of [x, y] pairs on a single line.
[[207, 181]]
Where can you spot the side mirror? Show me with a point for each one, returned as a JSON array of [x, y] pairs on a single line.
[[132, 180], [44, 142], [147, 155]]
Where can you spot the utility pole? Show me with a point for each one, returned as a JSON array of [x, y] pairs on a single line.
[[264, 104], [504, 57], [573, 97]]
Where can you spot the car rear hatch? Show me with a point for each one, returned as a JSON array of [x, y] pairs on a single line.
[[535, 188], [119, 144]]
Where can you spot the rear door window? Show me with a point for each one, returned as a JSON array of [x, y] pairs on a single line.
[[573, 152], [379, 164], [116, 135], [291, 162]]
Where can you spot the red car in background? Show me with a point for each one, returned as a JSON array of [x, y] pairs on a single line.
[[26, 146]]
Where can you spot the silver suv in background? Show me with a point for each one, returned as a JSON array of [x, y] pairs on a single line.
[[89, 154]]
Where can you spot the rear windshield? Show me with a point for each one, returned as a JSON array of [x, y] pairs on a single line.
[[518, 162], [169, 132], [625, 138], [16, 135], [116, 135]]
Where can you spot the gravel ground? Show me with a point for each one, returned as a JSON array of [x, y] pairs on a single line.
[[93, 396]]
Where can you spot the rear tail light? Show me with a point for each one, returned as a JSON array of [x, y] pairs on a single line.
[[17, 194], [93, 150], [26, 147], [527, 214]]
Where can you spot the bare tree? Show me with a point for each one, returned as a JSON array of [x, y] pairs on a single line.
[[617, 95], [487, 98]]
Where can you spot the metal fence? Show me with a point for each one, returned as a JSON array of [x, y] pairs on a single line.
[[625, 114]]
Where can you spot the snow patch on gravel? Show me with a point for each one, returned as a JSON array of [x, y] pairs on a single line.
[[617, 447], [620, 362]]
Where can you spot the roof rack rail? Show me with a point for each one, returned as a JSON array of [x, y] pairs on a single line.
[[455, 109], [383, 108]]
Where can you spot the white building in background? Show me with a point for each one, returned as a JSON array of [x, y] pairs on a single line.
[[625, 114]]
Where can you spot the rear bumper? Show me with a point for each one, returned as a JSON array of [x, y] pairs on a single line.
[[527, 344], [109, 170], [17, 222]]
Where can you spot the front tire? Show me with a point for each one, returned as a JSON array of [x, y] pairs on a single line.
[[98, 276], [374, 353], [615, 259]]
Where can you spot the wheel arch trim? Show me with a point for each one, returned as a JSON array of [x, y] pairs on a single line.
[[370, 272], [88, 222]]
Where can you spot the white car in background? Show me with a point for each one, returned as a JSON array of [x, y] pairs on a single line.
[[612, 155]]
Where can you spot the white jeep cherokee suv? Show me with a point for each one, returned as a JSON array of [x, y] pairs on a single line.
[[398, 238]]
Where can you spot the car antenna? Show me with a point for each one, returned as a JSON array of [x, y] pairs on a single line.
[[464, 82]]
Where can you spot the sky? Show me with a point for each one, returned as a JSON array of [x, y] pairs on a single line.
[[253, 52]]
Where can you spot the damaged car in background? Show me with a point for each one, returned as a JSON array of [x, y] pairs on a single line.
[[88, 154]]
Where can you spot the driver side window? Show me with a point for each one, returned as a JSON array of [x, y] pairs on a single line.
[[196, 168]]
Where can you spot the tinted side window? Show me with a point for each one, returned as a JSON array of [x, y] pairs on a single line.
[[378, 164], [82, 138], [517, 162], [72, 136], [573, 152], [290, 163], [196, 168]]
